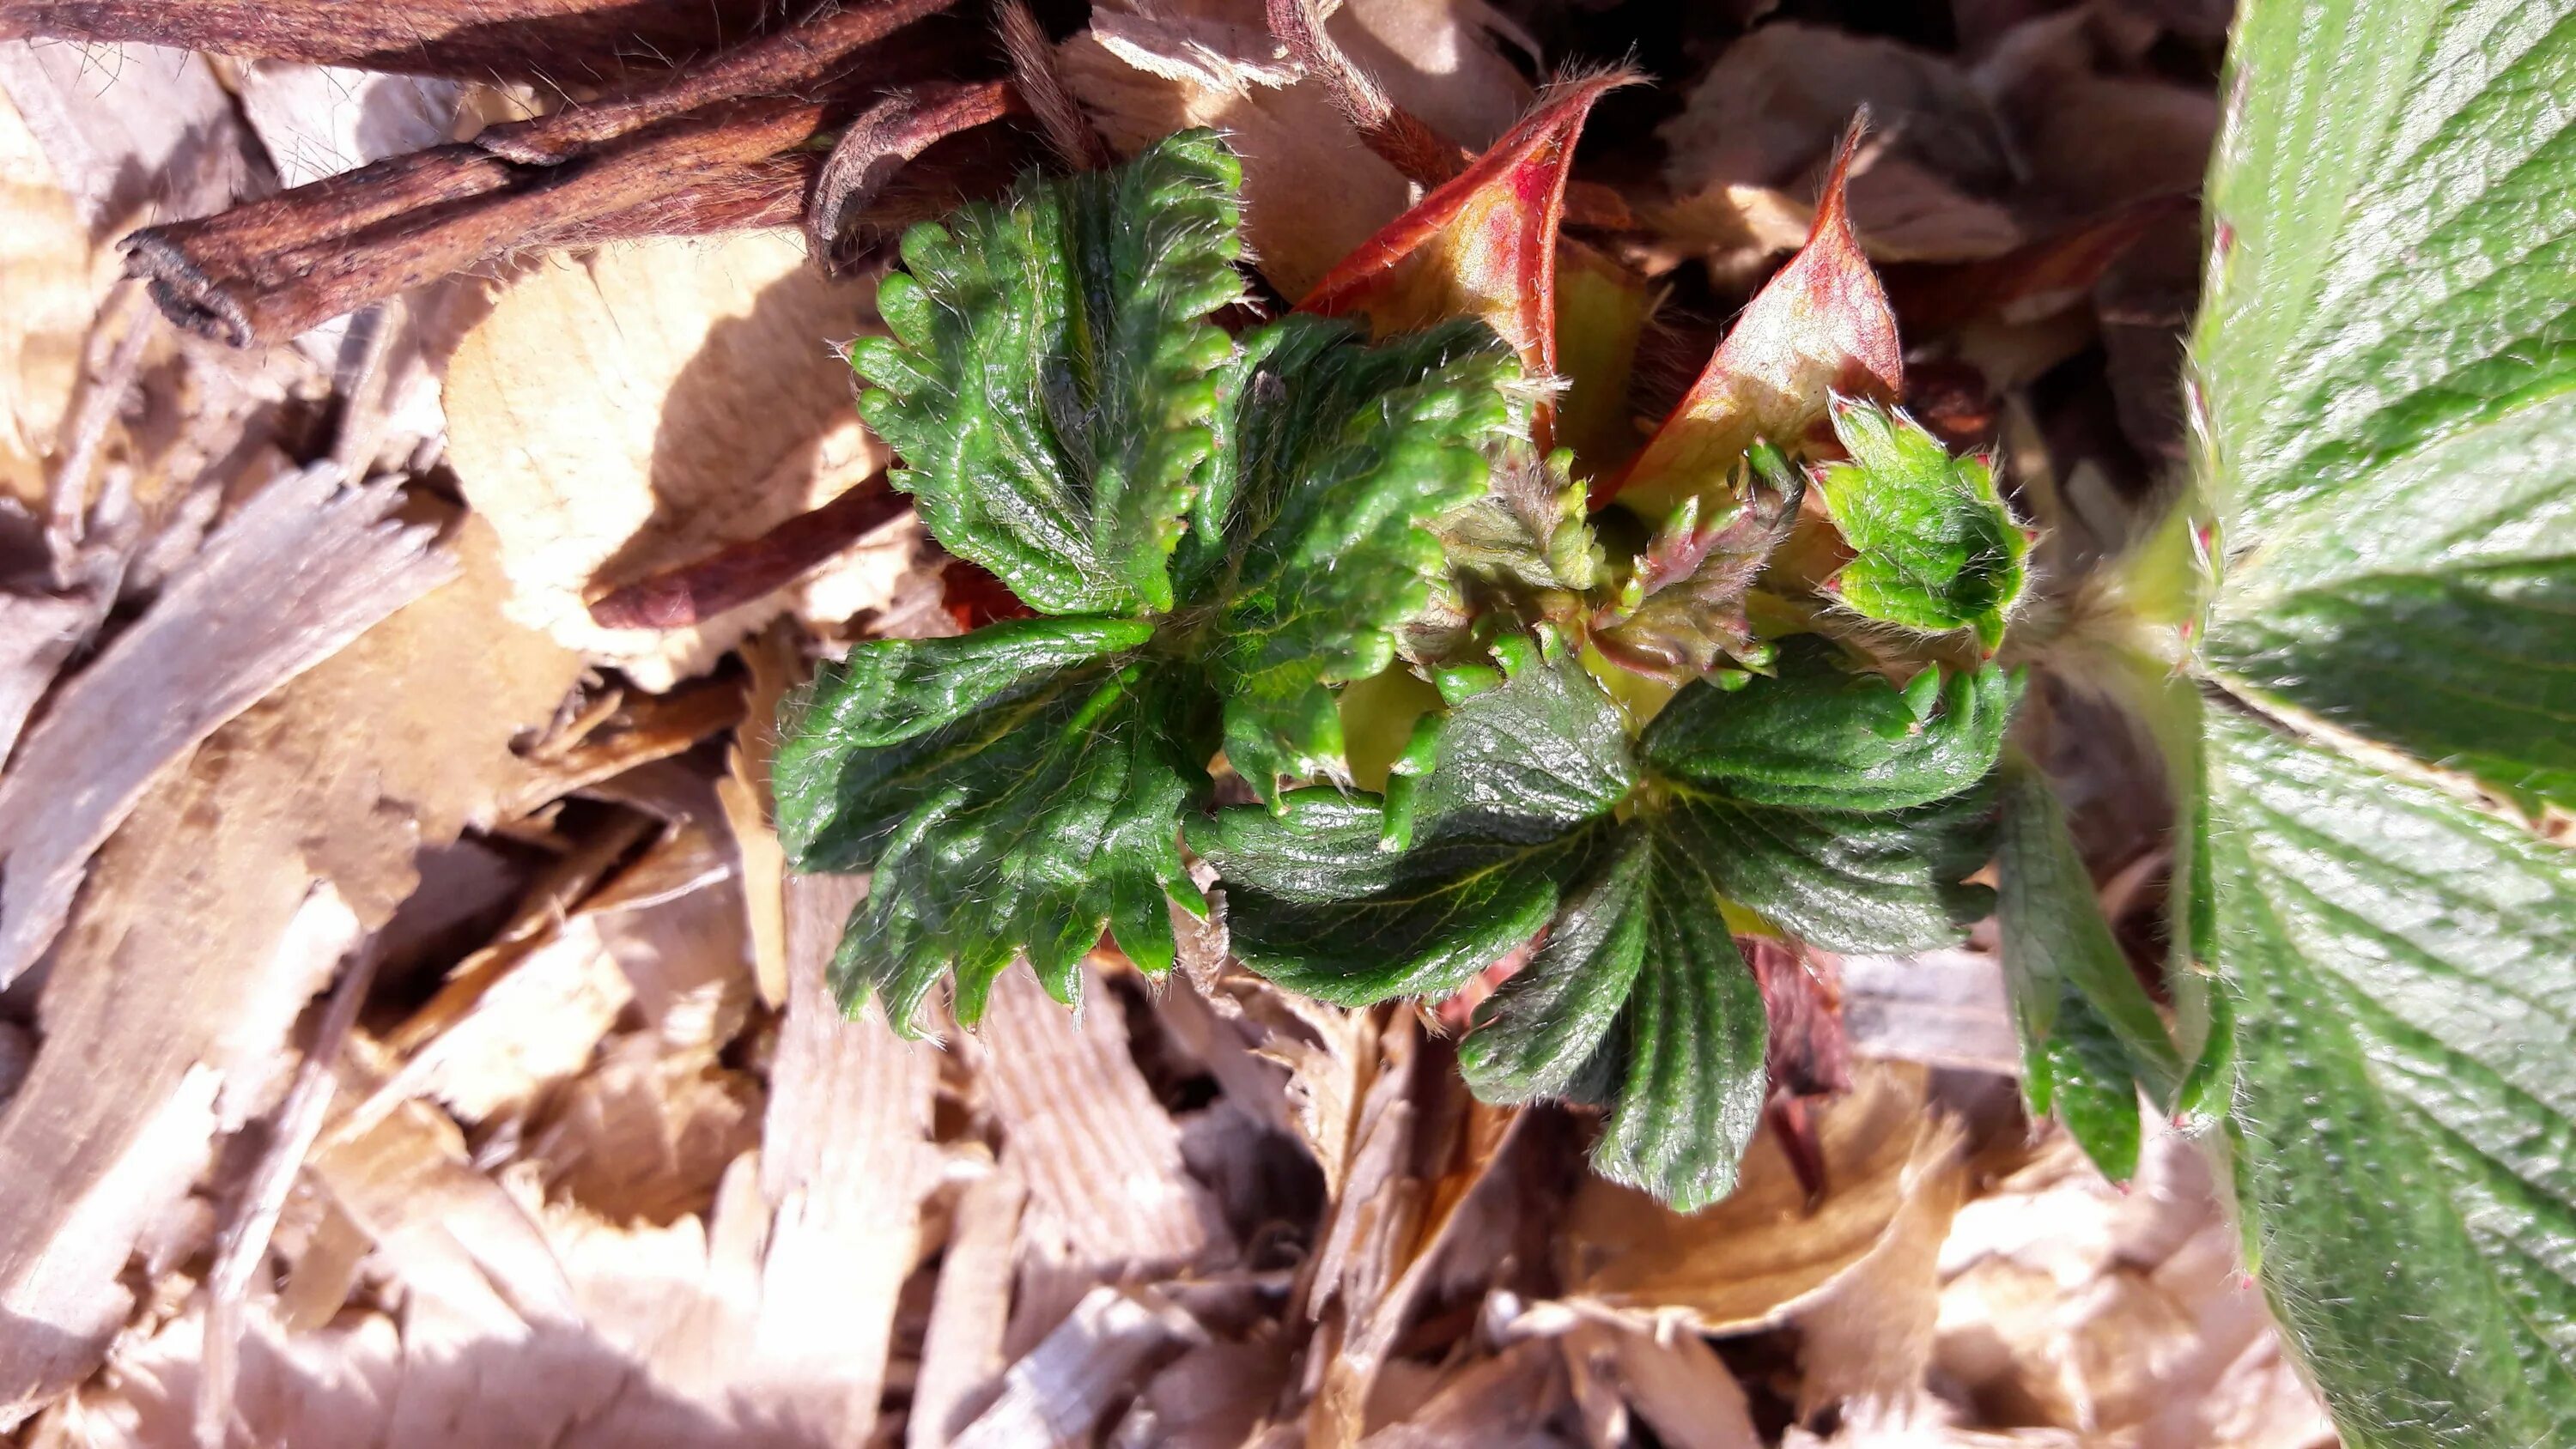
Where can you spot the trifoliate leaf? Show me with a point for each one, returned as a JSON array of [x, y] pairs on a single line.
[[1518, 803], [1935, 548], [2091, 1038], [1049, 382], [1823, 735], [1337, 456], [1815, 799]]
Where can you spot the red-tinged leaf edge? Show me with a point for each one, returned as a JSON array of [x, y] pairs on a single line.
[[1481, 245], [1820, 326]]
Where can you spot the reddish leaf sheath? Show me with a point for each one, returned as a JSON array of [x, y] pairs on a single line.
[[1820, 326], [1482, 245]]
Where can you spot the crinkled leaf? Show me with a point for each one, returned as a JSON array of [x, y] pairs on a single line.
[[1048, 384], [1692, 1036], [1887, 883], [1684, 609], [1318, 899], [1820, 326], [1823, 735], [1023, 827], [1821, 801], [1639, 1000], [2091, 1037], [2385, 373], [1535, 1036], [1934, 546], [2405, 1090], [879, 735], [1338, 456]]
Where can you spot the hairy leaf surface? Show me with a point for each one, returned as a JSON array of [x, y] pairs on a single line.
[[1820, 800], [1934, 547], [1050, 378], [1337, 458], [2386, 364], [2091, 1037], [1317, 900]]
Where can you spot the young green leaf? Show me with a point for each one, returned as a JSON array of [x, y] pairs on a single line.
[[1684, 608], [1934, 547], [1516, 807], [2385, 376], [1337, 458], [2090, 1035], [1057, 399], [1050, 378], [1817, 799], [1640, 1000], [1823, 735]]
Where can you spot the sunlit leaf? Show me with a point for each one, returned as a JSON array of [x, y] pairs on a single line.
[[1820, 326]]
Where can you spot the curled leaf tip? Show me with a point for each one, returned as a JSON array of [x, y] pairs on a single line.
[[1820, 327], [1483, 244]]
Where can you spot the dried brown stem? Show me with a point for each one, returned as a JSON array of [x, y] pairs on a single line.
[[266, 272], [546, 41], [730, 578], [1033, 74], [1399, 137], [881, 141], [791, 63]]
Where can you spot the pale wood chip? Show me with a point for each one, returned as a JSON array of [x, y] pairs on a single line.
[[1506, 1402], [137, 134], [1101, 1157], [1941, 1008], [1055, 1395], [401, 738], [846, 1164], [961, 1353], [633, 409], [1754, 1258], [307, 566], [1670, 1379]]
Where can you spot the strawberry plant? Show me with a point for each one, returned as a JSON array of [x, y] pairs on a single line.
[[1380, 609]]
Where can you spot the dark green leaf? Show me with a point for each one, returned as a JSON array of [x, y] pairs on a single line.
[[1935, 547], [1065, 823], [1824, 736], [1337, 457], [1049, 384], [1820, 800], [1535, 1035], [1693, 1037], [876, 737], [2090, 1034], [2406, 1092], [1317, 900], [1847, 882], [1639, 1000]]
